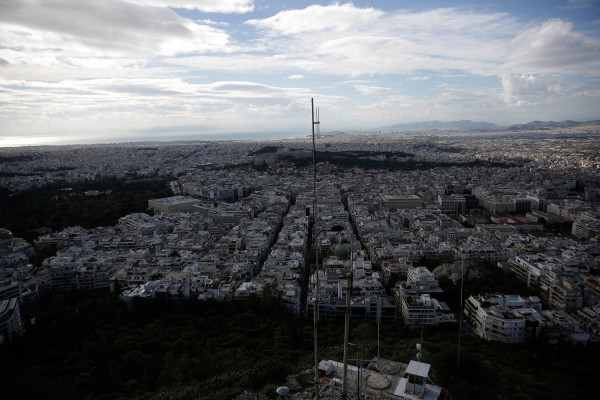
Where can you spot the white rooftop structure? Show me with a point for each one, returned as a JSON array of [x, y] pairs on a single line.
[[418, 369]]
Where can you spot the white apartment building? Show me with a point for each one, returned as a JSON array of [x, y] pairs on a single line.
[[549, 277], [508, 319], [424, 310], [586, 225]]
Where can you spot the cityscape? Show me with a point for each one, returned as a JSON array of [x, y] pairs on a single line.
[[317, 199], [398, 218]]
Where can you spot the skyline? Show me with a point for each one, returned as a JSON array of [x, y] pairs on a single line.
[[74, 72]]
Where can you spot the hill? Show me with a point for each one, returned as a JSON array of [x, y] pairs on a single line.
[[462, 125], [552, 125], [468, 125]]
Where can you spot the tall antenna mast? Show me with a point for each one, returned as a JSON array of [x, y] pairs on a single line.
[[316, 301], [462, 278]]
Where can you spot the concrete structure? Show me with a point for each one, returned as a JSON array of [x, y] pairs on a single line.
[[380, 378], [173, 204], [9, 290], [551, 279], [452, 204], [586, 226], [10, 320], [391, 203], [424, 310], [509, 319]]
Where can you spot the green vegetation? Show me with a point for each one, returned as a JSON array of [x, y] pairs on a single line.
[[58, 207], [90, 345], [392, 161], [86, 345], [17, 158], [494, 280], [264, 150]]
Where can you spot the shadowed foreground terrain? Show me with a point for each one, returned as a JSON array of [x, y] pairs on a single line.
[[90, 345]]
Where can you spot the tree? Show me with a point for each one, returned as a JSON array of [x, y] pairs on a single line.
[[270, 300]]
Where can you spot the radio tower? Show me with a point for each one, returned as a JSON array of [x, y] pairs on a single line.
[[316, 300]]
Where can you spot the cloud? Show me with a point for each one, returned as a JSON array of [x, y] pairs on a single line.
[[79, 28], [141, 62], [148, 102], [530, 90], [579, 4], [348, 40], [392, 102], [338, 39], [352, 41], [553, 47], [211, 6], [364, 89], [211, 22], [533, 90], [317, 18], [467, 98]]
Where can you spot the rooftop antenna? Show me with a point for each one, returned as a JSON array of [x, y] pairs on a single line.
[[316, 300]]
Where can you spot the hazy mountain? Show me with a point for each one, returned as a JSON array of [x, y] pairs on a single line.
[[551, 124], [464, 124], [468, 125]]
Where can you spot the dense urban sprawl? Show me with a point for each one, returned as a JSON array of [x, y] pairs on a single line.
[[243, 221]]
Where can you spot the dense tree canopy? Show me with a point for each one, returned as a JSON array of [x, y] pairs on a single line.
[[90, 345], [59, 206]]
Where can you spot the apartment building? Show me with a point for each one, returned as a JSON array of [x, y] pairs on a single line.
[[508, 319], [10, 320]]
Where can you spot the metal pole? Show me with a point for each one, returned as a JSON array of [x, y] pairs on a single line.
[[346, 334], [462, 277], [316, 301]]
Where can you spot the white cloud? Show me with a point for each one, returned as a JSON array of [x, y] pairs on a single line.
[[460, 98], [211, 22], [348, 40], [113, 28], [212, 6], [147, 102], [553, 47], [531, 90], [392, 102], [141, 62], [364, 89], [352, 41], [317, 18]]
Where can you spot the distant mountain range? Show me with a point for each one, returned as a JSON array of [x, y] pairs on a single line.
[[464, 124], [552, 124], [468, 125]]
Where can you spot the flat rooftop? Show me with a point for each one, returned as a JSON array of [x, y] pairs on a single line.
[[380, 376]]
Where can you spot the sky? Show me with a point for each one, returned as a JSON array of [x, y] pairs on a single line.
[[81, 71]]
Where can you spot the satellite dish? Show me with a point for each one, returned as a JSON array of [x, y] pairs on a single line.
[[283, 391]]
